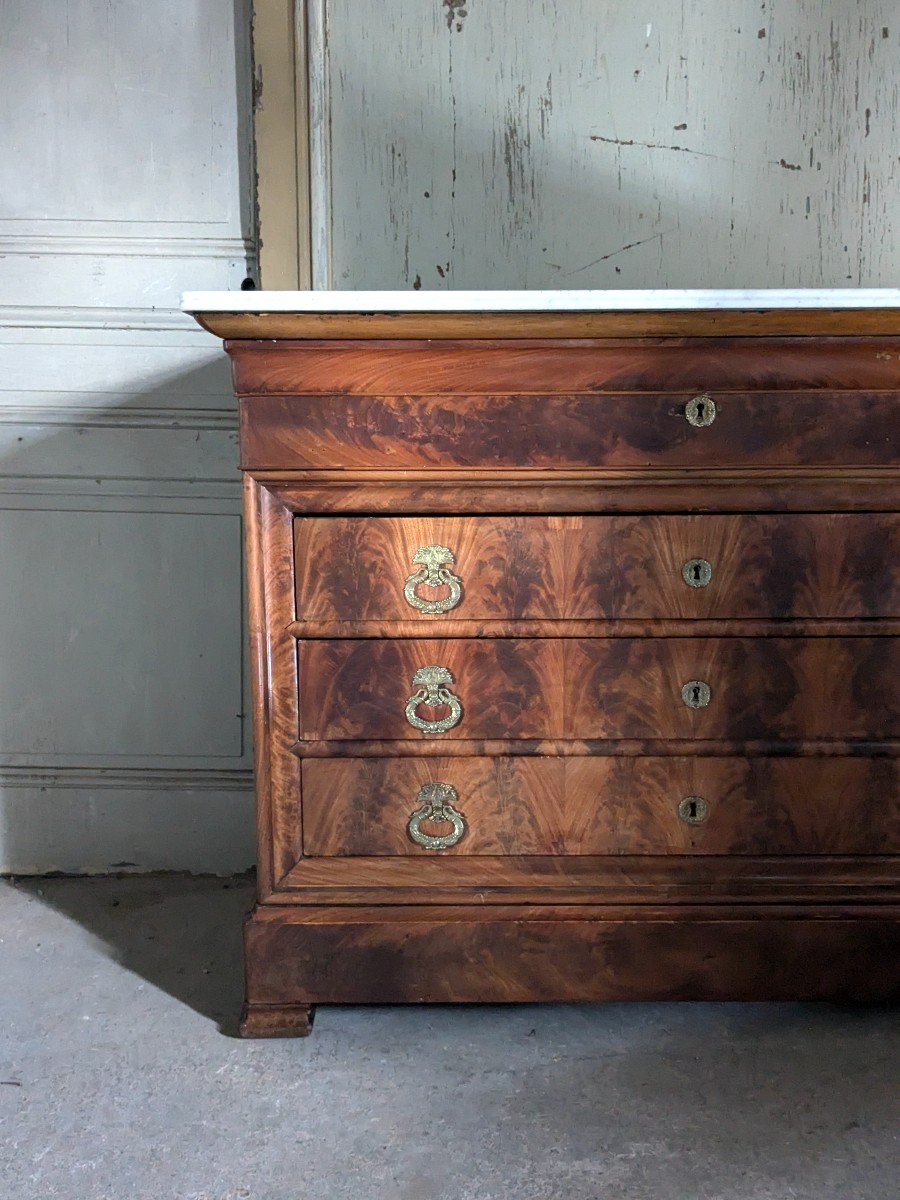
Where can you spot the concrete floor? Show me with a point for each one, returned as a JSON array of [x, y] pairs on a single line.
[[121, 1078]]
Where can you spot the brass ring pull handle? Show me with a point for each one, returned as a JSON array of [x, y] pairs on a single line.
[[430, 681], [701, 411], [436, 800], [433, 572]]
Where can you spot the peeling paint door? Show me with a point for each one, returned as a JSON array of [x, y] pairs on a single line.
[[505, 143]]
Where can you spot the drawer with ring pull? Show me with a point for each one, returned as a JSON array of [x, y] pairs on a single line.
[[717, 566], [731, 690], [590, 805]]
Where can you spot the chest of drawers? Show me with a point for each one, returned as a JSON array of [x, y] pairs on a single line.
[[575, 671]]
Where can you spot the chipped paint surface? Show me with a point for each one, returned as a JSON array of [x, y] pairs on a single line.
[[456, 13], [598, 144]]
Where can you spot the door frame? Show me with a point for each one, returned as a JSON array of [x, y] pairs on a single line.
[[291, 143]]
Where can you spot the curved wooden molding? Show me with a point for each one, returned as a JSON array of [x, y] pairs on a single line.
[[799, 322]]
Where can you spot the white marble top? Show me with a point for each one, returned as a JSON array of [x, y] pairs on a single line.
[[538, 301]]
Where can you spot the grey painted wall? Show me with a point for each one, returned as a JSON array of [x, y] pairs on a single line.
[[122, 687], [594, 143]]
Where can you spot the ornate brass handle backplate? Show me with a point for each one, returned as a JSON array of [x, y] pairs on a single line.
[[433, 572], [432, 692], [436, 800]]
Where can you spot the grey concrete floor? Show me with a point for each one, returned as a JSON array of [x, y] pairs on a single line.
[[121, 1078]]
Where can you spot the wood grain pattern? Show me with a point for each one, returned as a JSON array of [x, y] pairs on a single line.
[[260, 683], [485, 368], [274, 684], [680, 881], [608, 688], [604, 568], [708, 323], [608, 806], [793, 489], [763, 428], [656, 627], [399, 955], [647, 747]]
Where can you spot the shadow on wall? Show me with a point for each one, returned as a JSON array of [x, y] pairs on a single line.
[[122, 726], [123, 719]]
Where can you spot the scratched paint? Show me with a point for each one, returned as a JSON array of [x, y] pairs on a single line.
[[495, 143], [456, 13]]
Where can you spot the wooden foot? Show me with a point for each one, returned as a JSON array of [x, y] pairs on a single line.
[[276, 1020]]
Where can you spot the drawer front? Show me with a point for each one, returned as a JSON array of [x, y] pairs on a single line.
[[481, 367], [626, 430], [600, 806], [689, 567], [742, 689]]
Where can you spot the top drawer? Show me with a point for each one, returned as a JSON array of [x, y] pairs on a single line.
[[710, 429], [667, 403]]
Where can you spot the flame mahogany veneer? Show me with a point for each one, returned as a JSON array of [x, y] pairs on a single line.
[[613, 563]]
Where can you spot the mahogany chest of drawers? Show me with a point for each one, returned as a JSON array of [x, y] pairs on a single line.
[[574, 654]]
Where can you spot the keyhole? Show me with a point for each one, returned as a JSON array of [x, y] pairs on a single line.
[[696, 573], [693, 810], [696, 693], [700, 411]]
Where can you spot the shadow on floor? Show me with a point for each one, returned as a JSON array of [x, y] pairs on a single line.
[[182, 934]]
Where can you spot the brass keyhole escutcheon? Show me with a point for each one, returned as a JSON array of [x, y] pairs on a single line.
[[696, 693], [436, 802], [696, 572], [693, 810], [700, 411]]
